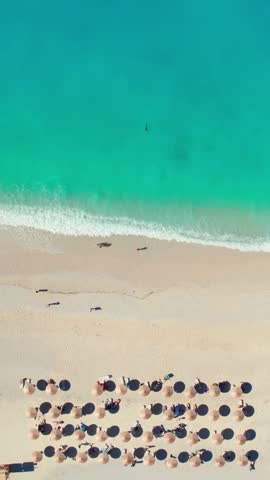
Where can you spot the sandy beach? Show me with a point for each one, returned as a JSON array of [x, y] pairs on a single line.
[[191, 310]]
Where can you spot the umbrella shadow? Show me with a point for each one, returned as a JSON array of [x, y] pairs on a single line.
[[49, 451], [156, 409], [45, 407], [179, 387], [46, 429], [109, 386], [114, 409], [92, 429], [229, 456], [183, 457], [250, 434], [204, 433], [113, 431], [227, 433], [71, 452], [201, 388], [246, 387], [180, 432], [156, 386], [64, 385], [225, 386], [206, 456], [93, 452], [42, 384], [68, 430], [252, 455], [161, 454], [66, 409], [249, 411], [137, 431], [88, 408], [139, 452], [224, 410], [202, 410], [115, 453], [133, 384]]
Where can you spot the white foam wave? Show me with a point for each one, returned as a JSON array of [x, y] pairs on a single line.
[[75, 222]]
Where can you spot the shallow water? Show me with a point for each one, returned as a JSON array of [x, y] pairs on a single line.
[[156, 113]]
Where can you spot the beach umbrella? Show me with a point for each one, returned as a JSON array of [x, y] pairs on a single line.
[[59, 457], [193, 438], [121, 389], [103, 458], [82, 457], [97, 390], [56, 434], [147, 437], [214, 415], [217, 439], [191, 414], [167, 391], [149, 459], [195, 461], [76, 412], [171, 462], [79, 434], [236, 392], [127, 459], [31, 412], [145, 413], [34, 434], [242, 461], [168, 414], [37, 456], [28, 388], [190, 392], [51, 389], [214, 391], [238, 415], [101, 436], [54, 412], [219, 462], [144, 390], [124, 437], [169, 437], [100, 412], [240, 439]]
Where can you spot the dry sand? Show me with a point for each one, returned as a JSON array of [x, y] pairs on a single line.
[[195, 311]]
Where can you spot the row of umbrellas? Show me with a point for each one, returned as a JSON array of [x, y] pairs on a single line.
[[148, 436], [128, 458], [145, 413], [191, 414], [167, 390]]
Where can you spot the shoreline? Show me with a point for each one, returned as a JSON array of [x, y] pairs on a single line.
[[79, 223]]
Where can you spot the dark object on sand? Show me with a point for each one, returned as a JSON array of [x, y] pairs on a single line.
[[104, 244], [42, 290], [95, 309], [141, 248], [53, 303]]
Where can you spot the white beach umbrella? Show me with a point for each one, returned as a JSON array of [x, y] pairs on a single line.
[[34, 434]]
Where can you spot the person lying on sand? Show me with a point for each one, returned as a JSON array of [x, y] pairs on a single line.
[[42, 290], [53, 303], [141, 248], [104, 244], [96, 309]]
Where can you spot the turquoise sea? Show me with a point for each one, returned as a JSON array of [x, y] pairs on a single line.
[[137, 117]]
